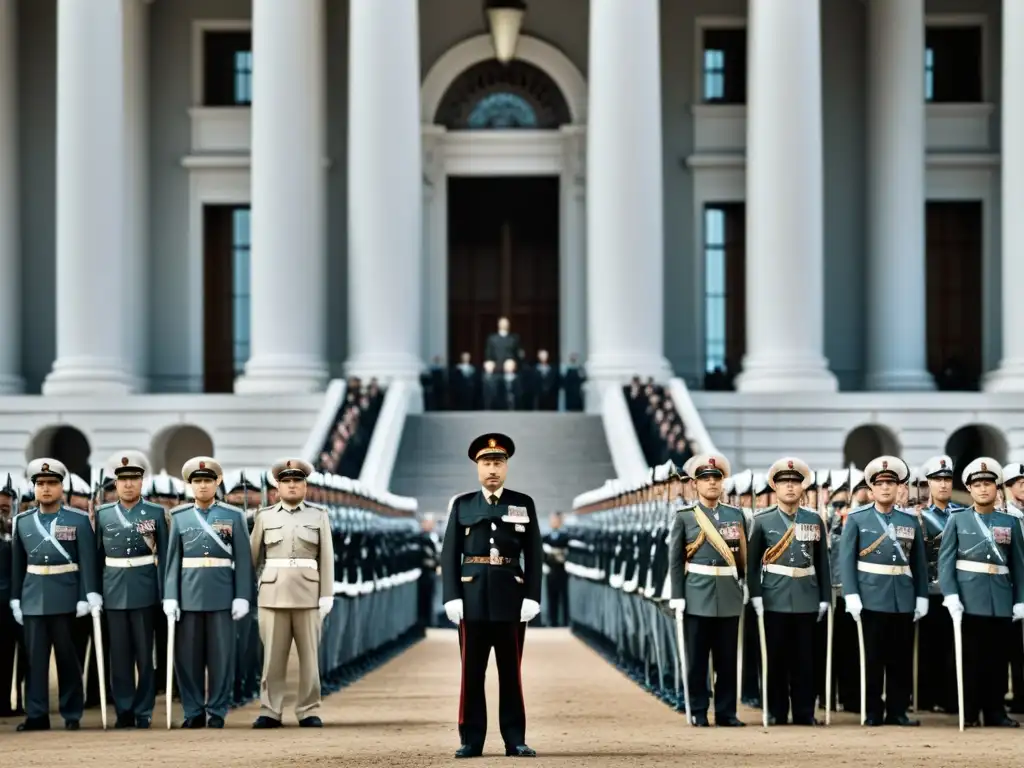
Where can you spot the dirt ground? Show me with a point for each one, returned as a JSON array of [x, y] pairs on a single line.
[[581, 712]]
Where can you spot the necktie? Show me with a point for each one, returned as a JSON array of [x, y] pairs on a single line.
[[494, 500]]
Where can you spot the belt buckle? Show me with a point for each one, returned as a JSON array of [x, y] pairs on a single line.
[[292, 563], [127, 562], [495, 557]]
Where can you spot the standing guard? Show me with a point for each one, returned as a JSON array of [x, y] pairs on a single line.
[[707, 565], [885, 582], [11, 643], [1013, 493], [292, 543], [209, 569], [488, 596], [792, 591], [53, 582], [132, 538], [981, 570]]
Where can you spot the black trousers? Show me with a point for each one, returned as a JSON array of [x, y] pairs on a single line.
[[160, 627], [11, 638], [790, 641], [558, 598], [425, 597], [715, 636], [476, 639], [130, 639], [985, 662], [1015, 648], [204, 661], [889, 656], [845, 668], [750, 685], [43, 634], [936, 676]]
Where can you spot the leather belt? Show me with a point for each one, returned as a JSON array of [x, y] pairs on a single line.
[[131, 562], [207, 562], [292, 562], [972, 567], [884, 570], [785, 570], [52, 570], [711, 570], [476, 560]]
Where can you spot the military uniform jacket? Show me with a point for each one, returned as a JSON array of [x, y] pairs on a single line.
[[933, 523], [129, 533], [978, 541], [59, 539], [707, 595], [303, 533], [475, 528], [210, 536], [806, 547], [883, 542]]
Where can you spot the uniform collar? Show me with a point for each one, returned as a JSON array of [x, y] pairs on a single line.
[[488, 494], [288, 508]]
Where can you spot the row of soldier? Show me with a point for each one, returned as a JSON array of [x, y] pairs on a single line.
[[329, 565], [856, 581]]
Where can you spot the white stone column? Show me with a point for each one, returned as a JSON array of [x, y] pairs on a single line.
[[785, 212], [90, 306], [385, 191], [625, 230], [896, 346], [1009, 377], [10, 238], [288, 261]]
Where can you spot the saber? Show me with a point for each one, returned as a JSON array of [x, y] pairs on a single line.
[[170, 668], [863, 673], [739, 656], [681, 643], [764, 671], [101, 671], [828, 662], [917, 637], [14, 681], [85, 664], [958, 647]]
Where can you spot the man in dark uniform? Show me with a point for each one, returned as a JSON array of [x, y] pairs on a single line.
[[573, 380], [885, 582], [556, 543], [503, 345], [53, 581], [132, 538], [207, 589], [546, 384], [1013, 493], [487, 594], [792, 591], [11, 642], [981, 571], [707, 566]]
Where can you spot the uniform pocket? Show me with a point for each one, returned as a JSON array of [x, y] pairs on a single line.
[[273, 535], [309, 534]]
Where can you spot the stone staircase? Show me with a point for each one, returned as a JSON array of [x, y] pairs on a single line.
[[558, 456]]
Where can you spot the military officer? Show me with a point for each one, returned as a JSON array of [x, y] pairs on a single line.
[[1013, 492], [11, 645], [981, 571], [885, 582], [132, 538], [487, 594], [555, 544], [936, 665], [291, 542], [54, 580], [707, 566], [207, 585], [792, 591]]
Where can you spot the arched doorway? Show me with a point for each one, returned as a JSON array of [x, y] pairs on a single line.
[[867, 442], [67, 445], [971, 441], [504, 222], [173, 446]]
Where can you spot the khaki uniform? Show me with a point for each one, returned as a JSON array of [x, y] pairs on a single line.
[[295, 550]]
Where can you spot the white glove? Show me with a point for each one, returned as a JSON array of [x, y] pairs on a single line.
[[81, 609], [529, 610], [171, 610], [956, 608], [326, 603], [1018, 612], [16, 610], [921, 608], [746, 594], [678, 604], [239, 608], [95, 602], [822, 610], [453, 609], [854, 606], [758, 605]]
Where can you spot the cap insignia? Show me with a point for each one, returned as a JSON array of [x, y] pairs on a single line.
[[46, 467], [790, 464], [202, 465], [124, 461], [711, 461], [288, 464], [984, 467], [942, 463], [492, 443], [885, 465]]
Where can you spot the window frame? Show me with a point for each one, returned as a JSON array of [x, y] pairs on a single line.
[[700, 26], [241, 331], [199, 29], [981, 20]]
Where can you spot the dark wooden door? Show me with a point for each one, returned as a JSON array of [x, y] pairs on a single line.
[[503, 261], [219, 335]]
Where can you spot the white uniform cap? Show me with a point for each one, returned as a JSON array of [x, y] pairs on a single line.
[[1012, 472], [887, 467], [937, 466], [983, 468], [707, 464], [790, 468]]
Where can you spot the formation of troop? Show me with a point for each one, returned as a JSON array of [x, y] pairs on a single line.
[[792, 591], [198, 588]]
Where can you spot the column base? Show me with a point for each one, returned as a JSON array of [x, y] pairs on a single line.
[[385, 367], [900, 381], [1007, 378], [780, 375], [88, 376], [282, 375]]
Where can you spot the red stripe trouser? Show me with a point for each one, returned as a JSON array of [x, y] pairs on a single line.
[[476, 639]]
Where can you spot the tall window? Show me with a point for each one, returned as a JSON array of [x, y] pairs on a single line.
[[724, 66], [953, 71], [724, 293], [954, 244], [226, 294], [240, 287], [227, 71]]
